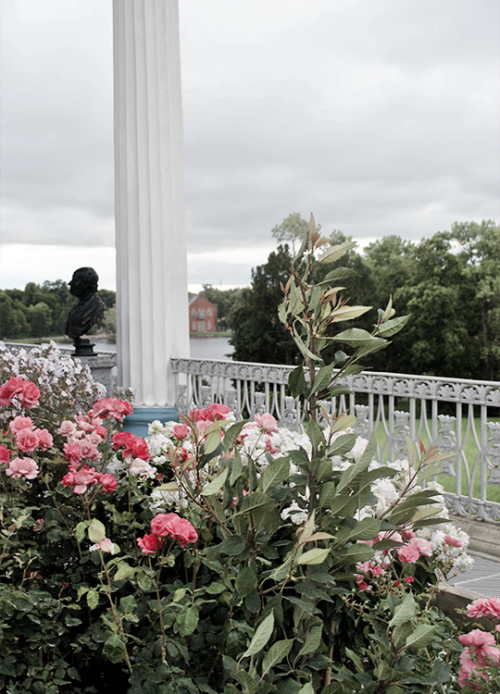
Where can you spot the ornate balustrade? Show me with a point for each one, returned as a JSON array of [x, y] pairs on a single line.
[[458, 416]]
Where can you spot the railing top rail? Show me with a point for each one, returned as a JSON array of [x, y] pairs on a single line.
[[377, 382]]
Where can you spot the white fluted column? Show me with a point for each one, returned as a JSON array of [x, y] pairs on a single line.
[[152, 302]]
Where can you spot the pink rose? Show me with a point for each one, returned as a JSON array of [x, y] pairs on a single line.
[[29, 395], [108, 482], [477, 637], [45, 440], [112, 407], [22, 467], [27, 440], [266, 422], [104, 546], [217, 411], [89, 450], [121, 438], [180, 431], [19, 423], [137, 448], [84, 477], [67, 428], [170, 524], [148, 544], [408, 554], [102, 432], [8, 390], [198, 415], [423, 546], [4, 454], [73, 452], [453, 541], [201, 426]]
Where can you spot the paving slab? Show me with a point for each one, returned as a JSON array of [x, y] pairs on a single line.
[[483, 578]]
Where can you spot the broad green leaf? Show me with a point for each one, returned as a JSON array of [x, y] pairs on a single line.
[[315, 434], [124, 571], [92, 599], [211, 443], [421, 637], [312, 642], [114, 648], [253, 501], [348, 313], [278, 652], [340, 273], [349, 475], [216, 426], [246, 581], [391, 327], [97, 531], [335, 252], [308, 529], [261, 636], [342, 445], [275, 473], [232, 434], [366, 529], [401, 633], [169, 487], [187, 621], [303, 347], [144, 581], [306, 689], [355, 337], [404, 612], [128, 604], [355, 659], [422, 513], [315, 537], [314, 556], [374, 346], [248, 683], [296, 382], [343, 422], [216, 484], [430, 471], [80, 530], [323, 378], [236, 469], [354, 554]]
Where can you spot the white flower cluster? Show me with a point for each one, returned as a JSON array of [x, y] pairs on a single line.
[[66, 385]]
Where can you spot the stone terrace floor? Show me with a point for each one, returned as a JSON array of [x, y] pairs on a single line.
[[483, 578]]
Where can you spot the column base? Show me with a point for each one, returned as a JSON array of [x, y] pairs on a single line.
[[137, 423]]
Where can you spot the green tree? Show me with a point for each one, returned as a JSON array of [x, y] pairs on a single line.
[[258, 334], [40, 318], [225, 300], [292, 230], [13, 323]]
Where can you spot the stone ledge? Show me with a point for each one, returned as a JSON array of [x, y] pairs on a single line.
[[484, 537]]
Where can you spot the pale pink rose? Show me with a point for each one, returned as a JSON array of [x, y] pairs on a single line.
[[112, 407], [141, 468], [202, 425], [484, 607], [73, 452], [22, 467], [388, 535], [468, 667], [19, 423], [89, 450], [170, 524], [27, 440], [95, 438], [266, 422], [84, 423], [477, 637], [84, 478], [104, 546], [67, 428], [45, 439], [408, 554], [453, 541], [423, 546], [148, 544]]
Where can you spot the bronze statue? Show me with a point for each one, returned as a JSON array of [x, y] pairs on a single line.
[[88, 310]]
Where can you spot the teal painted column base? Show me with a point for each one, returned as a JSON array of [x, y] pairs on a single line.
[[137, 423]]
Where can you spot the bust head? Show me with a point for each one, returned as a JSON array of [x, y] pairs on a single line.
[[83, 282]]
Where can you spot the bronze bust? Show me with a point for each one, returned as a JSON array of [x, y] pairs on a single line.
[[88, 310]]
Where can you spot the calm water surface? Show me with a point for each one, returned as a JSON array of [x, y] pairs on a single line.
[[201, 347]]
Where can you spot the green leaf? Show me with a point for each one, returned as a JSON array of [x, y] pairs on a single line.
[[187, 621], [312, 642], [315, 433], [236, 469], [421, 637], [366, 529], [342, 445], [211, 443], [404, 612], [92, 599], [354, 554], [348, 313], [306, 689], [314, 556], [216, 484], [261, 636], [296, 382], [355, 337], [128, 604], [323, 378], [144, 581], [275, 473], [97, 531], [333, 253], [114, 648], [232, 434], [248, 683], [246, 581], [391, 327], [278, 652], [124, 571], [253, 501], [303, 347], [355, 659], [340, 273], [80, 530]]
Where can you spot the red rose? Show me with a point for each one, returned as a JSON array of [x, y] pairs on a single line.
[[149, 544], [198, 415], [4, 454], [108, 482], [120, 439], [29, 395], [137, 448], [180, 431]]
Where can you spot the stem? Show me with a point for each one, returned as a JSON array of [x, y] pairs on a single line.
[[115, 613]]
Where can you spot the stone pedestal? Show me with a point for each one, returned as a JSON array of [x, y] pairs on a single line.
[[152, 300]]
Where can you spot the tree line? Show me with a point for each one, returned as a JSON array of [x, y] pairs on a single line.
[[41, 310], [449, 284]]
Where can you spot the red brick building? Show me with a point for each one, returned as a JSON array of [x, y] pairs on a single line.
[[202, 315]]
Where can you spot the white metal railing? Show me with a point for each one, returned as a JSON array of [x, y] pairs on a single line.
[[393, 405]]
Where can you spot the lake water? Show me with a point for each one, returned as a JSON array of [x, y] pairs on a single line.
[[201, 347]]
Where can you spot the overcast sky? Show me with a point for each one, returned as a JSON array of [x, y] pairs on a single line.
[[381, 117]]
